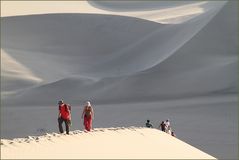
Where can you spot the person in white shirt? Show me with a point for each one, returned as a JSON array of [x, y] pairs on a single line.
[[167, 126]]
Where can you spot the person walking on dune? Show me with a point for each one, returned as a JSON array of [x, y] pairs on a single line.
[[64, 116], [162, 126], [167, 127], [88, 115]]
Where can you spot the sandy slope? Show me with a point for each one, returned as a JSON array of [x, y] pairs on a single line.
[[107, 58], [16, 76], [182, 56], [107, 143], [162, 12]]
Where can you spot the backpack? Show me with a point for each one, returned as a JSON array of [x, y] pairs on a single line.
[[67, 107]]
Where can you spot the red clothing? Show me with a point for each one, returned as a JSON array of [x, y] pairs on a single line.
[[88, 122], [65, 111]]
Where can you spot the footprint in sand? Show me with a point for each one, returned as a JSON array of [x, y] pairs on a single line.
[[115, 129], [95, 130], [48, 135], [132, 129], [55, 134], [101, 130], [29, 138], [77, 132], [112, 129]]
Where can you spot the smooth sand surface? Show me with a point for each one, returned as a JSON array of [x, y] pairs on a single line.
[[139, 143], [133, 60]]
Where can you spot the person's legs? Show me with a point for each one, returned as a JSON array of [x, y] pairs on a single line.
[[89, 123], [60, 121], [67, 126], [87, 126], [85, 122]]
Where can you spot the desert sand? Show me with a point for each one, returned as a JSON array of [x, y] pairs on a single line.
[[134, 61], [102, 143]]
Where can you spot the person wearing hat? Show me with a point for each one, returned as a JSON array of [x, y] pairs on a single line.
[[88, 115], [64, 116]]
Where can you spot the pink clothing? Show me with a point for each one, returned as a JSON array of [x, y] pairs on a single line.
[[88, 122]]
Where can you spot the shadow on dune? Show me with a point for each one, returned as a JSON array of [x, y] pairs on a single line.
[[114, 59], [137, 5], [120, 59], [57, 45]]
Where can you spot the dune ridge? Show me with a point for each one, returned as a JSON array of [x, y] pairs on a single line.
[[161, 12], [100, 143], [133, 60], [144, 56]]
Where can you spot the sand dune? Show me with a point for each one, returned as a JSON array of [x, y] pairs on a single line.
[[126, 56], [16, 76], [102, 143], [134, 60], [161, 12]]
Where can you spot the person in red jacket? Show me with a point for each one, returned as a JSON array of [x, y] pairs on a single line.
[[64, 116], [88, 115]]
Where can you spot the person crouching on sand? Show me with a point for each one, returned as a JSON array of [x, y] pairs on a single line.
[[148, 125], [173, 134], [64, 116], [88, 115]]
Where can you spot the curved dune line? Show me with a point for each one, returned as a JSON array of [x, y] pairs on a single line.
[[160, 45], [154, 48], [15, 76], [103, 143], [139, 62], [14, 8], [10, 67]]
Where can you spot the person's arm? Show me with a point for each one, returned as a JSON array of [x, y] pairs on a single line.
[[93, 114], [69, 110], [59, 115]]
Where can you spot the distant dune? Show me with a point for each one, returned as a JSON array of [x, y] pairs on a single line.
[[134, 60], [114, 58]]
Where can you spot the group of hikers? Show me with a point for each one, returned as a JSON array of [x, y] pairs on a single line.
[[65, 116], [164, 126], [88, 116]]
